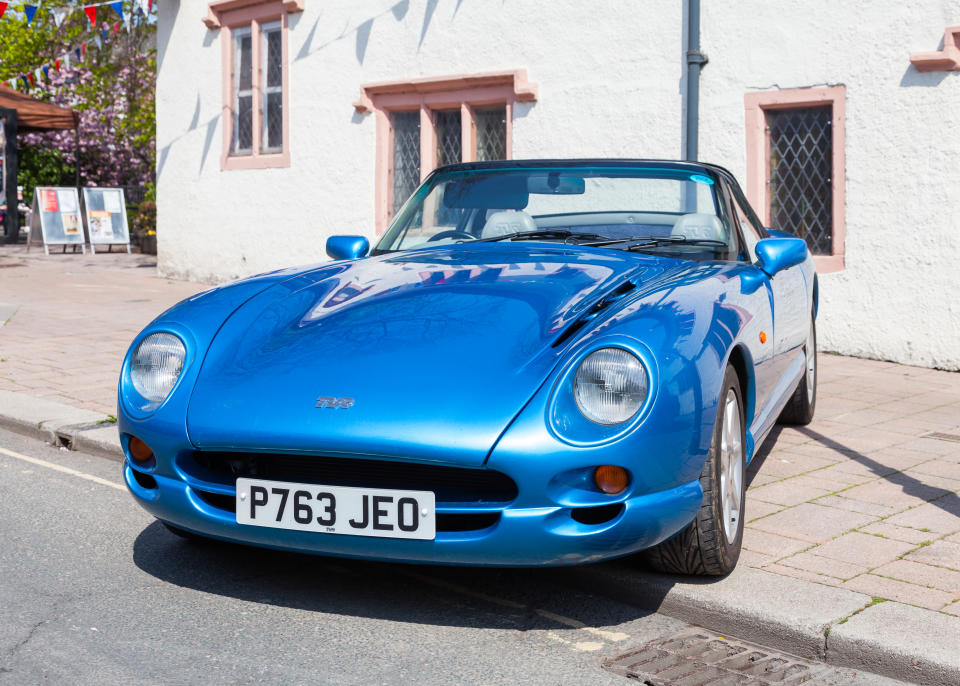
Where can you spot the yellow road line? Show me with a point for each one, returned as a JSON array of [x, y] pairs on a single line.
[[61, 468]]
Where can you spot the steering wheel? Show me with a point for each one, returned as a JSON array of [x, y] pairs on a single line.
[[450, 233]]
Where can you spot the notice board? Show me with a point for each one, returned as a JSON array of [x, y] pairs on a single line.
[[105, 210], [55, 219]]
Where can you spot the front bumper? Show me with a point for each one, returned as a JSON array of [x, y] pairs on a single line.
[[522, 537]]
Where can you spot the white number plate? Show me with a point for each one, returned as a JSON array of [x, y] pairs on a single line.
[[336, 509]]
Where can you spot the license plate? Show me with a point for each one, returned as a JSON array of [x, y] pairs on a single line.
[[385, 513]]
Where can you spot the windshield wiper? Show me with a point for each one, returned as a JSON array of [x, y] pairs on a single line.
[[546, 233], [641, 242]]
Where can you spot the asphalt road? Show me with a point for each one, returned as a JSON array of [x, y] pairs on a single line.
[[93, 590]]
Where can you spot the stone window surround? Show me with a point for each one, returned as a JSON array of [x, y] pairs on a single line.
[[465, 91], [945, 59], [227, 15], [758, 156]]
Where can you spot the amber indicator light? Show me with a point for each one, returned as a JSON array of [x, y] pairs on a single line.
[[763, 337], [610, 479], [139, 450]]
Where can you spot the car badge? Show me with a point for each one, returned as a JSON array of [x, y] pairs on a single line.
[[331, 403]]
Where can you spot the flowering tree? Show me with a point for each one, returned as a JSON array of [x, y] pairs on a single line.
[[112, 89]]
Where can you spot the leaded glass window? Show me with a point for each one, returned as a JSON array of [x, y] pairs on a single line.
[[801, 171], [406, 155], [491, 130], [242, 92], [449, 137], [271, 51]]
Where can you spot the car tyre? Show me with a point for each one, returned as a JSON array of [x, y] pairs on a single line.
[[803, 403], [710, 544]]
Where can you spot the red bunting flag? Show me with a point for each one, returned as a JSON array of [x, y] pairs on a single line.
[[3, 7], [30, 77], [91, 14], [116, 27], [56, 65], [83, 49]]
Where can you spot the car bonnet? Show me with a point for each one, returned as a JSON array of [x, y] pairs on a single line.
[[426, 354]]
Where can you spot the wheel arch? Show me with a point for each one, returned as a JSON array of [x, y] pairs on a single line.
[[739, 359]]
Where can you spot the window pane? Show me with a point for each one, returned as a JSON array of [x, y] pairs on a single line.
[[274, 138], [449, 134], [274, 58], [271, 98], [801, 169], [243, 140], [491, 133], [244, 57], [406, 156]]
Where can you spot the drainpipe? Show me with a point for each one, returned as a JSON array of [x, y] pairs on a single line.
[[695, 61]]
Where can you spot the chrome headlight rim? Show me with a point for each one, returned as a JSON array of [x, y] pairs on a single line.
[[176, 345], [629, 362]]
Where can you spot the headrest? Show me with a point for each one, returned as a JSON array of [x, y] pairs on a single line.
[[508, 221], [700, 226]]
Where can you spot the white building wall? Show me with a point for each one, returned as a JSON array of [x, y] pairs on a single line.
[[896, 299], [609, 75], [608, 78]]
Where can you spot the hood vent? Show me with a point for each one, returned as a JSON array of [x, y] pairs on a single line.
[[617, 294]]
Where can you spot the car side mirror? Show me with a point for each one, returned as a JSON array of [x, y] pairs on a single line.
[[347, 247], [776, 254]]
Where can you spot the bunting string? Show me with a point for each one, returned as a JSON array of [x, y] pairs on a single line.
[[78, 54]]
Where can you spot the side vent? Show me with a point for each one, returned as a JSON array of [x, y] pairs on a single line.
[[617, 294]]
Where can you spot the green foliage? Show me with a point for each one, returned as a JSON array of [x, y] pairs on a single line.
[[145, 223], [39, 166]]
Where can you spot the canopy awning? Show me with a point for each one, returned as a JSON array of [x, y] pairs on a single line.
[[36, 115]]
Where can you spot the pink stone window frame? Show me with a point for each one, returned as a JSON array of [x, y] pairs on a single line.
[[758, 156], [228, 16], [465, 92]]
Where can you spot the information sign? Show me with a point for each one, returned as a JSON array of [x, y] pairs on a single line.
[[55, 219], [106, 214]]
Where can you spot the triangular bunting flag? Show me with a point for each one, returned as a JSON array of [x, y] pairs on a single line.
[[118, 8], [78, 54], [30, 78], [149, 6], [56, 65], [66, 61], [59, 14], [30, 11], [3, 7], [91, 12], [83, 49], [46, 71], [99, 41], [104, 34], [116, 27]]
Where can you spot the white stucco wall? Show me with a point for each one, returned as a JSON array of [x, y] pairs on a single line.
[[609, 75], [896, 299]]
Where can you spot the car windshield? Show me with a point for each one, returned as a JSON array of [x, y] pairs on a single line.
[[614, 207]]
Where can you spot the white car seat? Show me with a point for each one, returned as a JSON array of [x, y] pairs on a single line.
[[700, 226], [507, 221]]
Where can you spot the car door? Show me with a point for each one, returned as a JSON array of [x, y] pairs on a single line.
[[788, 289]]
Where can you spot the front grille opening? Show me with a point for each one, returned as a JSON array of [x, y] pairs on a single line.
[[471, 521], [449, 484], [466, 522], [597, 515], [218, 500], [145, 480]]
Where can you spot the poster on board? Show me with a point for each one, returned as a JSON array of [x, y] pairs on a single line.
[[55, 219], [106, 214]]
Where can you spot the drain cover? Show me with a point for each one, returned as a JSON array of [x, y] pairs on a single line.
[[944, 437], [700, 658]]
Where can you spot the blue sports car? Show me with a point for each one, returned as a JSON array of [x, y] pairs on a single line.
[[544, 362]]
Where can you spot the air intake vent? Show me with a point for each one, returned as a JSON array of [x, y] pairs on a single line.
[[604, 302]]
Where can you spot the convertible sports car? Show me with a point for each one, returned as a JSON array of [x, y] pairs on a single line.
[[543, 362]]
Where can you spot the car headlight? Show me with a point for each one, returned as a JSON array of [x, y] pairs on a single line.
[[610, 386], [156, 365]]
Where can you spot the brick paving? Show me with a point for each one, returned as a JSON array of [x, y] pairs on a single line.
[[863, 498]]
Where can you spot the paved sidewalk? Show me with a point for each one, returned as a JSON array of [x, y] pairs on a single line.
[[864, 499]]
